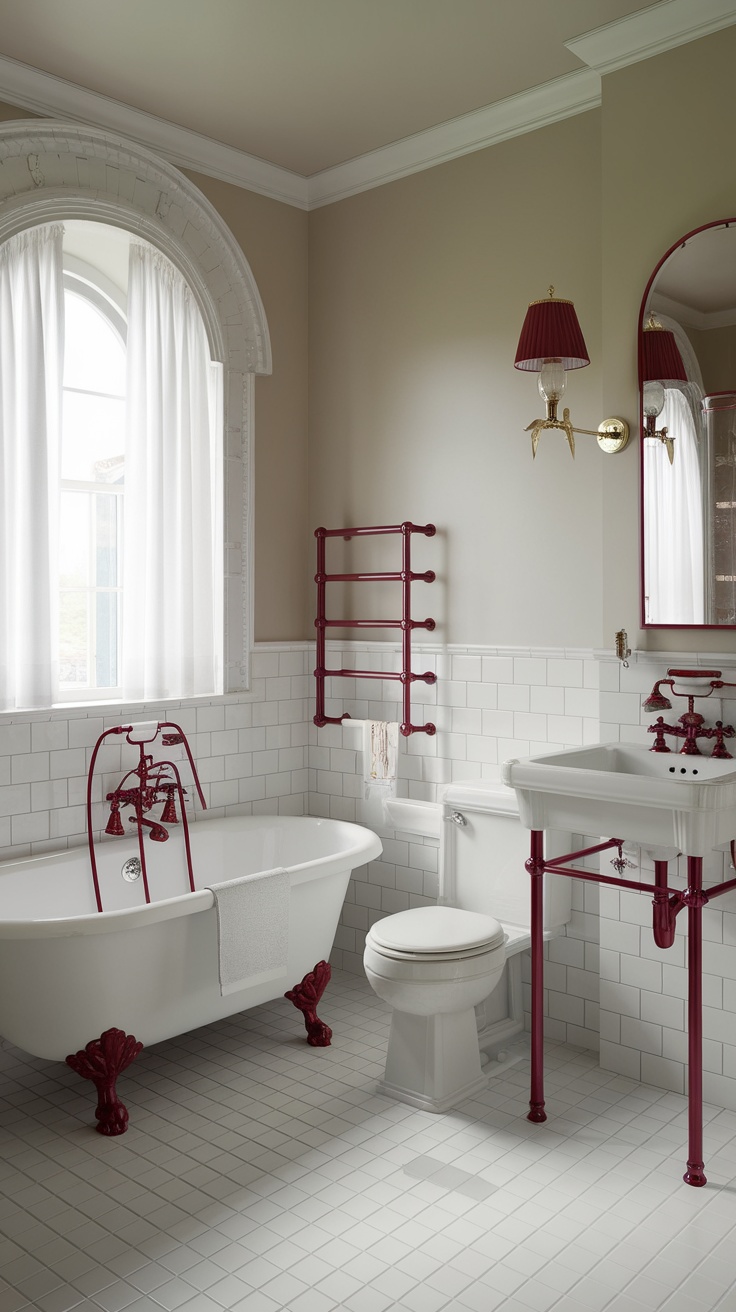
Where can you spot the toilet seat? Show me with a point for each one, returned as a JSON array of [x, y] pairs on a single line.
[[436, 934]]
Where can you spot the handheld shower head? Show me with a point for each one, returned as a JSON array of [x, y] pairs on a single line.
[[656, 701]]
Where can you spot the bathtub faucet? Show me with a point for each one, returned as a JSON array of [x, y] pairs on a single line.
[[146, 785], [155, 786]]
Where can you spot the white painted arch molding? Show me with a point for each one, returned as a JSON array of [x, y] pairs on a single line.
[[51, 170]]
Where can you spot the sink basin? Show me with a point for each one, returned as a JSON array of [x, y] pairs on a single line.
[[623, 790]]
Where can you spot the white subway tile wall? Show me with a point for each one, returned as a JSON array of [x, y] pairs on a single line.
[[260, 752], [250, 749]]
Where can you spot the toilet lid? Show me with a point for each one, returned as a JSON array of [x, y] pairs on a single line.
[[437, 929]]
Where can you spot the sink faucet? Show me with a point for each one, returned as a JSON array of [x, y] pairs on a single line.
[[691, 726]]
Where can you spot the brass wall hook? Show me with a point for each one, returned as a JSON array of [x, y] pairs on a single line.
[[623, 650]]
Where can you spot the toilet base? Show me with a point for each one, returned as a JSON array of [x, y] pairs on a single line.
[[433, 1062]]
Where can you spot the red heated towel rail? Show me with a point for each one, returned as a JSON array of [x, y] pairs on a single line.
[[405, 576]]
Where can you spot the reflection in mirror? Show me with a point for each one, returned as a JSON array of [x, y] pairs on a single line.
[[687, 377]]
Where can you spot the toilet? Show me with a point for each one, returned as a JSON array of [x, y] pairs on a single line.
[[440, 967]]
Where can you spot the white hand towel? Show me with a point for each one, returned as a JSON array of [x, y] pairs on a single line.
[[380, 755], [252, 929]]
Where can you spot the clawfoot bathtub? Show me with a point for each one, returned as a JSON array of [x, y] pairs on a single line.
[[95, 986]]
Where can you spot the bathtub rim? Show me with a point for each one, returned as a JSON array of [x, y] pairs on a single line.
[[366, 847]]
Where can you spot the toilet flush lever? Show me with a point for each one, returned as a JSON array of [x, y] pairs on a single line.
[[457, 818]]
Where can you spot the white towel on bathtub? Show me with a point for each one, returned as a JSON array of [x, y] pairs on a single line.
[[252, 929]]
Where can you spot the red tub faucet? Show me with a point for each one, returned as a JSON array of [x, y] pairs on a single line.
[[148, 784]]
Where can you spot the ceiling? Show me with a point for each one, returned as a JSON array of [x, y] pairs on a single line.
[[305, 84], [697, 283]]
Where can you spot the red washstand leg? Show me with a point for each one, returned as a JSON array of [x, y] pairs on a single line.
[[306, 996], [695, 1173], [536, 1111], [101, 1061]]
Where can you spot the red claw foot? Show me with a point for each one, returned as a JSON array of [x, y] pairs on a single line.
[[101, 1061], [305, 996], [536, 1113]]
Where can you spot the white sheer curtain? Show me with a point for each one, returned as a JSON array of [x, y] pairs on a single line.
[[673, 520], [171, 604], [31, 365]]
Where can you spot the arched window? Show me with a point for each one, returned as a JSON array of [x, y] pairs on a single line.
[[113, 479], [65, 174]]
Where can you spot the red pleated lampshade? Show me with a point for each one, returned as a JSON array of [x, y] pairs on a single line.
[[551, 332], [661, 359]]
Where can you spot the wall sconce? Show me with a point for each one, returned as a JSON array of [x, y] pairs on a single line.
[[551, 342], [660, 359]]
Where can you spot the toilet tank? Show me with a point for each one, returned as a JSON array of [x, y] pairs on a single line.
[[482, 861]]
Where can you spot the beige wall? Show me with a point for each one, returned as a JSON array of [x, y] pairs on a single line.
[[13, 111], [273, 237], [716, 352], [668, 129], [417, 294]]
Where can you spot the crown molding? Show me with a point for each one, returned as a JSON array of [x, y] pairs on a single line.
[[651, 32], [644, 34], [562, 98], [55, 98], [50, 96]]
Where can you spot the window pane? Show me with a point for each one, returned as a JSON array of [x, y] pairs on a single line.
[[93, 447], [106, 646], [94, 356], [73, 638], [107, 562], [74, 540], [93, 439], [106, 540], [89, 566]]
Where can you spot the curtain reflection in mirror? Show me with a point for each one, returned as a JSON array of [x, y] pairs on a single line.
[[673, 522], [720, 417]]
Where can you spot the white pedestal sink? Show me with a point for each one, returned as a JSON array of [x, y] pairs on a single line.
[[657, 799], [662, 800]]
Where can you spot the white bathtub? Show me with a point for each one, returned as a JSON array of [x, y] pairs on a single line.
[[68, 972]]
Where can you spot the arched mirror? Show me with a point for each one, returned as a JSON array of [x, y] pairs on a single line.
[[687, 380]]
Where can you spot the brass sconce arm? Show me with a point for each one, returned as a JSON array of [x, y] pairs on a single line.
[[612, 434], [659, 435]]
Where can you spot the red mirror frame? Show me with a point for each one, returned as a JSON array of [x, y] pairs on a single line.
[[704, 227]]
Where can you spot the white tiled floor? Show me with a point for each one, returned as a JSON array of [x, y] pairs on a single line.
[[259, 1174]]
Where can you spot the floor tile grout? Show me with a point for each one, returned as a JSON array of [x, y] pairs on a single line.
[[258, 1174]]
